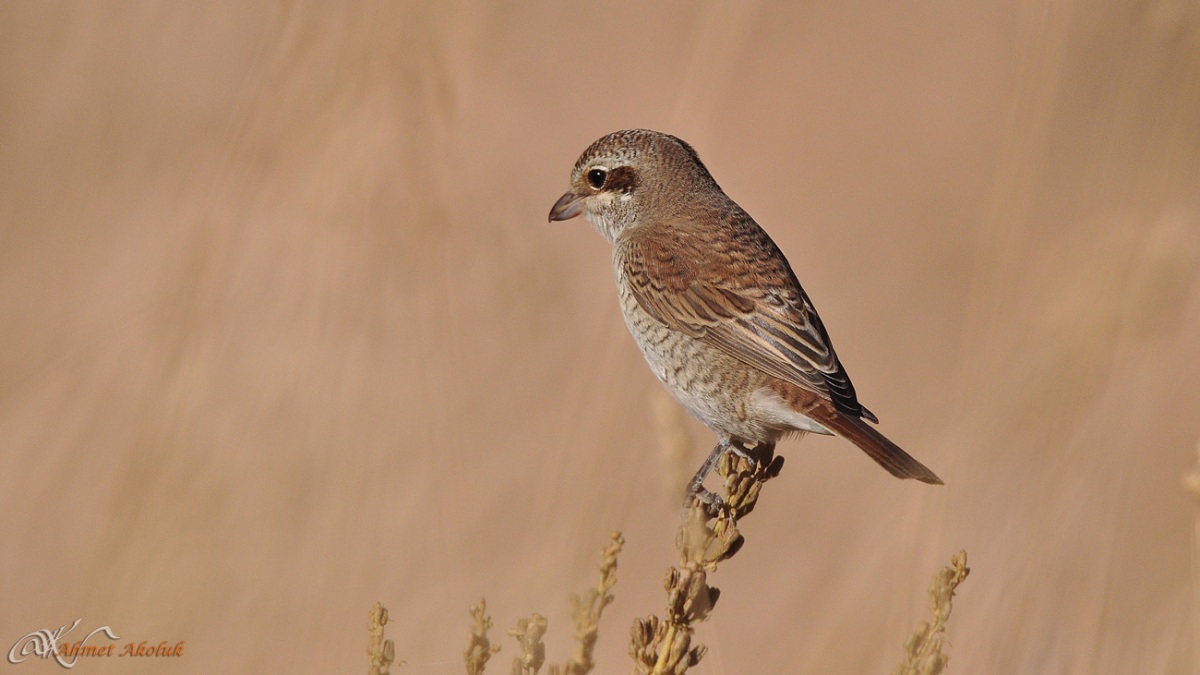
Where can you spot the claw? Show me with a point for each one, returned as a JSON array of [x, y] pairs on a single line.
[[705, 499]]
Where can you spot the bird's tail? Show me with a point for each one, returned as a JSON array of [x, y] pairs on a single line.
[[889, 455]]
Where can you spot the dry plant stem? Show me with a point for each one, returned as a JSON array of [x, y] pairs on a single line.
[[586, 612], [529, 634], [479, 649], [707, 536], [380, 651], [924, 653]]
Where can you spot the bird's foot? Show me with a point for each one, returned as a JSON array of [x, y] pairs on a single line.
[[697, 493], [711, 502], [706, 499]]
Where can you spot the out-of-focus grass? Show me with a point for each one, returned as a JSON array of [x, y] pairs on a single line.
[[268, 269], [1191, 482]]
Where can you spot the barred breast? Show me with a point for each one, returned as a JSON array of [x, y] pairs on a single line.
[[722, 392]]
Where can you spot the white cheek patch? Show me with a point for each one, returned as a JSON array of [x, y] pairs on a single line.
[[601, 208]]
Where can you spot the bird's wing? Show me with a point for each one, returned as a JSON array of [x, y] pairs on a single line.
[[739, 295]]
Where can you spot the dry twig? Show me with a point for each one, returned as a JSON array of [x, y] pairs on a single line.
[[660, 646], [586, 612], [479, 649], [380, 651], [529, 634], [924, 652]]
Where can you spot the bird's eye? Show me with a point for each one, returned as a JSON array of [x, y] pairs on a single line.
[[597, 177]]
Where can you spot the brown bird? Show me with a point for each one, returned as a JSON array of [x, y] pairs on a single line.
[[714, 305]]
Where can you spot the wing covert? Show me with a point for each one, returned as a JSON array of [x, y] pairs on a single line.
[[759, 316]]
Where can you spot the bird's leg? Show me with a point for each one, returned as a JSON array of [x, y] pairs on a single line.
[[762, 454], [696, 488]]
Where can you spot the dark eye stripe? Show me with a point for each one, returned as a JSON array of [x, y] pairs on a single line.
[[622, 178]]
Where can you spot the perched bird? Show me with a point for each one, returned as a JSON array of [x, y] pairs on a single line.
[[714, 305]]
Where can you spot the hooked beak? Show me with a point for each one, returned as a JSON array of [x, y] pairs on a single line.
[[567, 207]]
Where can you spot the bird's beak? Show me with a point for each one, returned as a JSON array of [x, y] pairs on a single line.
[[567, 207]]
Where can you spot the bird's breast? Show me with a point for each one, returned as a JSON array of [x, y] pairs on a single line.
[[715, 388]]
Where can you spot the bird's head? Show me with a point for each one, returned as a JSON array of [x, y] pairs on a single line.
[[633, 176]]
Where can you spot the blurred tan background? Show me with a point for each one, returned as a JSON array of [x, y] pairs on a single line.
[[284, 331]]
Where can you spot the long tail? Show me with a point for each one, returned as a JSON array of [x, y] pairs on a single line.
[[889, 455]]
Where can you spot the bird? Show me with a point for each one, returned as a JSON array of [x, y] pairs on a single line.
[[714, 306]]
